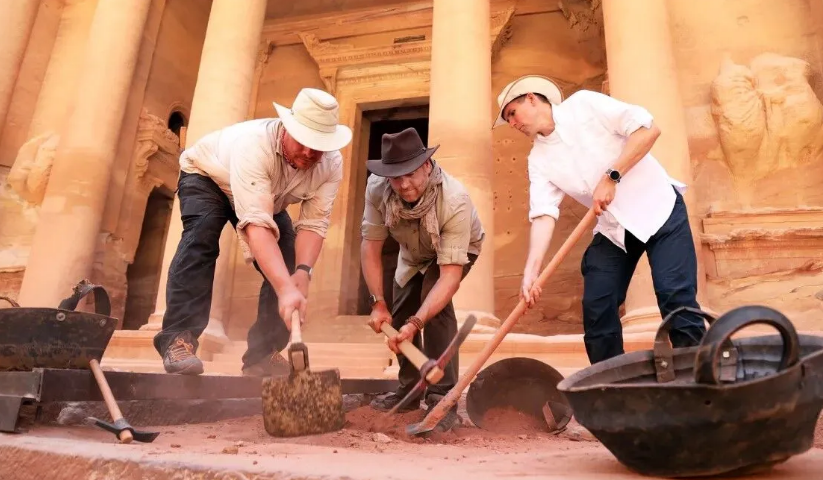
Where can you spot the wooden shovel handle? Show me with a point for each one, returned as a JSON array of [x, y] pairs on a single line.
[[439, 410], [414, 354], [125, 436], [296, 334]]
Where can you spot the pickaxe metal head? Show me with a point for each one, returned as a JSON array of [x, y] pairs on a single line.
[[121, 425], [441, 362]]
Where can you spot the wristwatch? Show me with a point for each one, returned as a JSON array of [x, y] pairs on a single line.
[[305, 268], [614, 175], [373, 299]]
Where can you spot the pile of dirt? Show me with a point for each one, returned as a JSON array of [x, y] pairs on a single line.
[[511, 421]]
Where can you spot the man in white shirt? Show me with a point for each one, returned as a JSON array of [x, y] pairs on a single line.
[[247, 174], [595, 149]]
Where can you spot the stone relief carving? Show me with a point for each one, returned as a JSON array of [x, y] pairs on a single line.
[[767, 115], [29, 175]]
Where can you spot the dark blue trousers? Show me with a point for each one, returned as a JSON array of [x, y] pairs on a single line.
[[607, 271], [205, 209]]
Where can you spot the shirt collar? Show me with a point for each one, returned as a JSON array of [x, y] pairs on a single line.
[[560, 133]]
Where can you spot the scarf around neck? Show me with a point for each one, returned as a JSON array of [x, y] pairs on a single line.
[[424, 210]]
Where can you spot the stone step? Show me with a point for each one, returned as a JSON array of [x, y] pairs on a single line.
[[315, 358], [359, 349]]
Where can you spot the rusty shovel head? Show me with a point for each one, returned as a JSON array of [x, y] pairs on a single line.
[[522, 385], [303, 402]]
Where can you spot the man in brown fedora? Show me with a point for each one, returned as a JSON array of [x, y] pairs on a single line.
[[247, 174], [430, 215]]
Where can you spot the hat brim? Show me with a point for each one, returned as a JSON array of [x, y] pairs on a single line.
[[547, 88], [392, 170], [320, 141]]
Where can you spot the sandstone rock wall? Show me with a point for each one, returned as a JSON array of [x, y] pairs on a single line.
[[750, 75]]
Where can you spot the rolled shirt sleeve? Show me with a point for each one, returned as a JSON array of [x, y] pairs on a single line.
[[373, 226], [544, 196], [251, 188], [455, 234], [619, 117], [315, 212]]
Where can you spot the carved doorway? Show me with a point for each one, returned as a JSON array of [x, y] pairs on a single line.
[[374, 124], [143, 275]]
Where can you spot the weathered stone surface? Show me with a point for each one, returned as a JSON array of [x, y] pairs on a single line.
[[152, 412]]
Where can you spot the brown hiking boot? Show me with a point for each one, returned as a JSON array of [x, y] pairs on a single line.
[[274, 365], [180, 357]]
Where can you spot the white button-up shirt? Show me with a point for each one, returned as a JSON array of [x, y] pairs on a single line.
[[590, 132]]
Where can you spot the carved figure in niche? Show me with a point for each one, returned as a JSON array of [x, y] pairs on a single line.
[[29, 175], [767, 115]]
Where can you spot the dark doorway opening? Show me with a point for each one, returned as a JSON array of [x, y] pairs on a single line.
[[389, 121], [143, 275]]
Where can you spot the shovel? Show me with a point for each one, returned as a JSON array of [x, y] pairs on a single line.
[[302, 402], [436, 413]]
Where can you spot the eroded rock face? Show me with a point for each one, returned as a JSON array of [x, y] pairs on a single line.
[[768, 117]]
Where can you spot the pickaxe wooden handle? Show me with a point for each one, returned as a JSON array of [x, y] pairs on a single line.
[[415, 356], [437, 412]]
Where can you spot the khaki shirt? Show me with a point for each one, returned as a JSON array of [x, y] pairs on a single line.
[[460, 229], [245, 160]]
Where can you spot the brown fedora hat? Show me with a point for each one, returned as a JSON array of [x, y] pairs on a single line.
[[400, 154]]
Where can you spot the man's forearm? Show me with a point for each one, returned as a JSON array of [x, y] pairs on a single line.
[[307, 246], [639, 143], [441, 293], [539, 241], [371, 262], [269, 258]]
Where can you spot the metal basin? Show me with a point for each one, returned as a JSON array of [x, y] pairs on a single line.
[[524, 385], [56, 337], [677, 413]]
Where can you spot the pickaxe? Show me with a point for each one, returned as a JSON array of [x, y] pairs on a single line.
[[120, 428], [431, 371]]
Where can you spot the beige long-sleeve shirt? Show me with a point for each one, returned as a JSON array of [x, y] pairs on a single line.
[[245, 160], [460, 230]]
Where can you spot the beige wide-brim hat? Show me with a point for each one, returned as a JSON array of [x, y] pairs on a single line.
[[523, 85], [313, 120]]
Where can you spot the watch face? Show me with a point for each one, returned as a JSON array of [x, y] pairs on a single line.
[[614, 174]]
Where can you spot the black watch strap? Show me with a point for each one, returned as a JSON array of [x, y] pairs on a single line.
[[305, 268]]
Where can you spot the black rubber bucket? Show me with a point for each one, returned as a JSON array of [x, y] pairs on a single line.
[[723, 407]]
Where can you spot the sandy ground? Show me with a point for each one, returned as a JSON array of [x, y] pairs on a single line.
[[365, 430], [369, 446]]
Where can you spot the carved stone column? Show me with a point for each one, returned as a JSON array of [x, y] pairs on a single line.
[[64, 244], [642, 71], [221, 97], [460, 121], [16, 21]]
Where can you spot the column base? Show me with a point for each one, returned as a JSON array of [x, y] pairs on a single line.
[[486, 322], [644, 319], [647, 319]]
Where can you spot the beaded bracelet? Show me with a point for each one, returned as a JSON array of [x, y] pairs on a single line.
[[416, 322]]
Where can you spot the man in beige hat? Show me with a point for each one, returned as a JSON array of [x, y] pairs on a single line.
[[595, 149], [247, 174], [433, 219]]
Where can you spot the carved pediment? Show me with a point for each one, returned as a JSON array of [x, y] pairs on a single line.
[[156, 153], [345, 62]]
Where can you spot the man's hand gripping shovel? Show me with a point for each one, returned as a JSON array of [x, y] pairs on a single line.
[[436, 413], [431, 371]]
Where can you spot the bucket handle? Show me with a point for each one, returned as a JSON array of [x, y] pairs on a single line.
[[663, 350], [10, 300], [102, 304], [705, 369]]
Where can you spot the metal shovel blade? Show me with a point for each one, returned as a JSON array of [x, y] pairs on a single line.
[[303, 403]]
